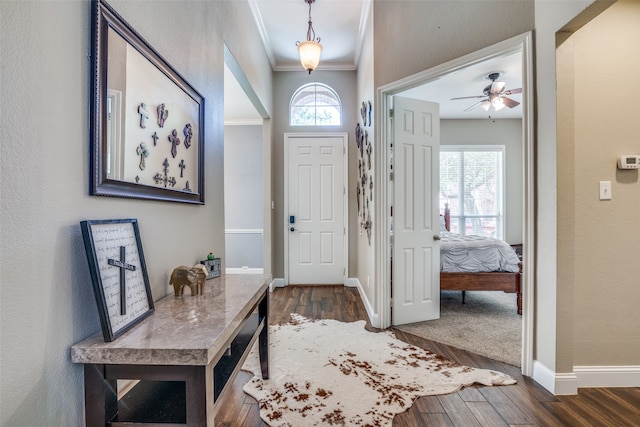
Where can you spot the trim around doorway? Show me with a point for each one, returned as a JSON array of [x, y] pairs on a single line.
[[384, 94]]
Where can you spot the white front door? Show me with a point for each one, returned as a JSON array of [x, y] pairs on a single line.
[[315, 208], [415, 247]]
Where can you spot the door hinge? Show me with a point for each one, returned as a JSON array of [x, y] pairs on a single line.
[[390, 176], [391, 302], [391, 113]]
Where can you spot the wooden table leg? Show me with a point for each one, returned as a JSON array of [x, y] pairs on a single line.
[[100, 396], [199, 395], [263, 339]]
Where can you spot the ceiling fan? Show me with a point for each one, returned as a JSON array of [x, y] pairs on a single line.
[[494, 95]]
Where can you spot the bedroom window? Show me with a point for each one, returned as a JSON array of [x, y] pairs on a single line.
[[315, 104], [472, 183]]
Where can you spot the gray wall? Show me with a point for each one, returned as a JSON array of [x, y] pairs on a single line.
[[285, 84], [412, 36], [47, 302], [243, 199], [507, 132]]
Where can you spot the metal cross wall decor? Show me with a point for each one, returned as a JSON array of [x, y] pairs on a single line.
[[122, 265], [167, 180]]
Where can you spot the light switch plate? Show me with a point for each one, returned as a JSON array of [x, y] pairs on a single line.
[[605, 190]]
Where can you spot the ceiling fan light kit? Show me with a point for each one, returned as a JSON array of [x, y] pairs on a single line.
[[310, 49], [494, 95]]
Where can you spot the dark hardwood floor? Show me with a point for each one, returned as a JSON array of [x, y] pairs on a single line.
[[523, 404]]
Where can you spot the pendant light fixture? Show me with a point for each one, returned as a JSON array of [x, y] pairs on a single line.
[[310, 49]]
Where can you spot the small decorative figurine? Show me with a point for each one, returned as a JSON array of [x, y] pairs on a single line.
[[193, 277], [213, 265], [188, 134], [163, 113], [144, 115], [187, 188]]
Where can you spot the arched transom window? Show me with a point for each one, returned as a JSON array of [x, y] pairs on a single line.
[[315, 104]]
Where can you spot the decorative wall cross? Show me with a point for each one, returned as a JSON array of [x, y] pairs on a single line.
[[155, 138], [122, 265], [175, 141], [181, 165], [163, 113], [164, 178], [143, 153], [144, 115], [188, 134]]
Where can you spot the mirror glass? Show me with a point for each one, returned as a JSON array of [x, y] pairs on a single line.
[[148, 136]]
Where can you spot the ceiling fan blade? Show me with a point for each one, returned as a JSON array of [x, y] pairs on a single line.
[[474, 106], [496, 87], [509, 102], [512, 91], [468, 97]]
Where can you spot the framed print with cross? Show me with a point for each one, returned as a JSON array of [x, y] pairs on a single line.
[[119, 274]]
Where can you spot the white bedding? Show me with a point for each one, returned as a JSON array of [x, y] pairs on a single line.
[[473, 254]]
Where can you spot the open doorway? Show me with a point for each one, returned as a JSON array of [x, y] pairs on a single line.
[[246, 176], [521, 46]]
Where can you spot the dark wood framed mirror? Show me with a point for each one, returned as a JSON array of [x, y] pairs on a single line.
[[147, 121]]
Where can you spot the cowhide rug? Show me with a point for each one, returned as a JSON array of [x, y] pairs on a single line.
[[326, 372]]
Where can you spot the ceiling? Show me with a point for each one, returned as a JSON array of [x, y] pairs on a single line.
[[340, 25]]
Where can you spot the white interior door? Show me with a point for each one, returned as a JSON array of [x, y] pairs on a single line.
[[415, 248], [316, 195]]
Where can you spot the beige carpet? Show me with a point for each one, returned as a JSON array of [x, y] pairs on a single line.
[[326, 372], [487, 324]]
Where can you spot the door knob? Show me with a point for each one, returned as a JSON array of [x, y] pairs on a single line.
[[436, 237], [292, 229]]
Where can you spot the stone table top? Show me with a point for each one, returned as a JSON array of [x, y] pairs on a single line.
[[185, 330]]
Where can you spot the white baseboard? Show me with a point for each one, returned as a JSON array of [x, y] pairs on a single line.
[[585, 377], [558, 384], [276, 283], [244, 270], [352, 282], [373, 317], [607, 376]]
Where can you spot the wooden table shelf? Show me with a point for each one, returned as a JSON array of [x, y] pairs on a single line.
[[183, 356]]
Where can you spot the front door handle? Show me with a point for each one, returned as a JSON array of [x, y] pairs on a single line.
[[292, 229], [436, 237]]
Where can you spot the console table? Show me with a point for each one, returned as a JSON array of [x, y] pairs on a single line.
[[183, 355]]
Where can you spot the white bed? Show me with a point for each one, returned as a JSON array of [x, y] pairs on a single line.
[[468, 264], [473, 254]]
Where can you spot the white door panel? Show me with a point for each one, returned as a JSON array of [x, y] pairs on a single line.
[[416, 251], [316, 200]]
